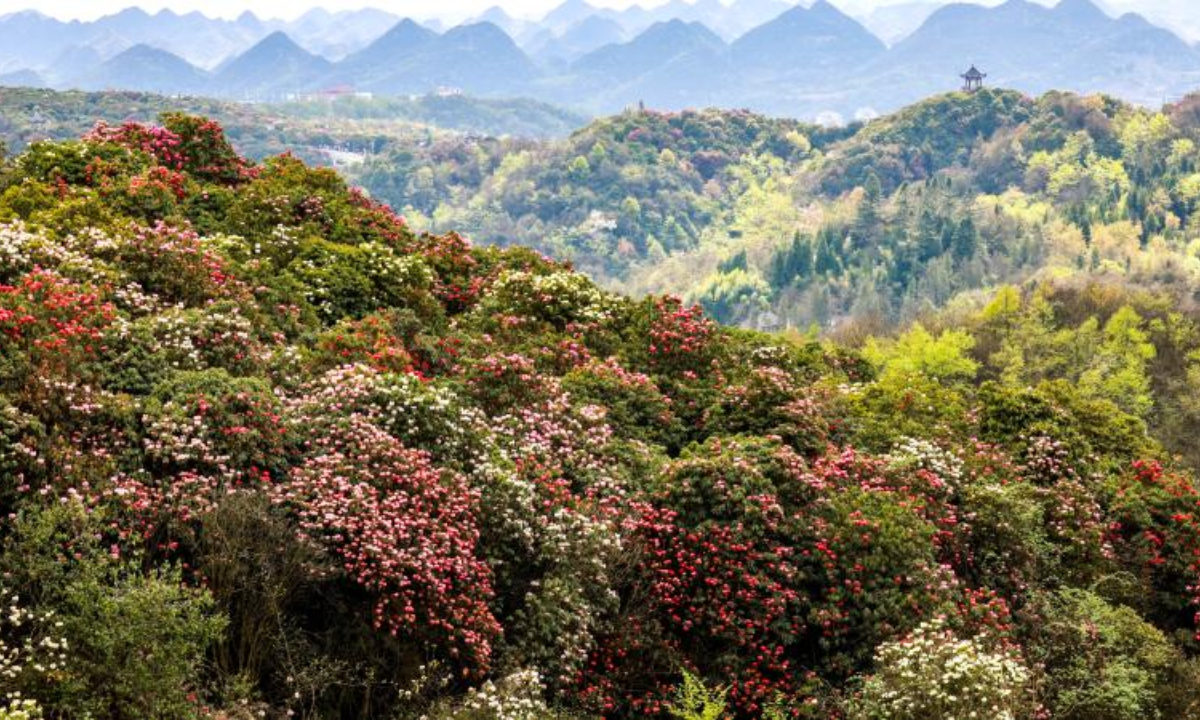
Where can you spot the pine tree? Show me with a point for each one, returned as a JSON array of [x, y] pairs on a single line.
[[737, 261], [929, 237], [827, 261], [965, 242], [867, 222], [792, 263]]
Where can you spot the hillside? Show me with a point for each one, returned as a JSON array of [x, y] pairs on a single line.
[[304, 127], [777, 222], [268, 452]]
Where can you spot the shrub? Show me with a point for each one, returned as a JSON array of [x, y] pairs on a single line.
[[403, 531], [136, 639], [517, 696], [695, 701], [1101, 660], [343, 281], [558, 299], [211, 422], [933, 674], [139, 642], [17, 709]]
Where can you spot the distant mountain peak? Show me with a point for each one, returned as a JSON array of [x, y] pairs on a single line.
[[407, 28], [1080, 10], [803, 39], [316, 13], [131, 12], [277, 47], [146, 50]]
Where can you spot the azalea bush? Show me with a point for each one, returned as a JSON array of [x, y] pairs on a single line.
[[932, 673]]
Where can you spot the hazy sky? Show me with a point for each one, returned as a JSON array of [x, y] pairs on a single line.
[[90, 9], [1188, 10]]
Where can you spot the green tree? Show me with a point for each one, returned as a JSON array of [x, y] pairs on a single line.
[[695, 701], [1119, 369], [965, 242], [867, 221], [827, 261], [792, 263], [1102, 660], [917, 351]]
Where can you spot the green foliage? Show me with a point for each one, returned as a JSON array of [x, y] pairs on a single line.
[[1102, 660], [267, 450], [137, 638], [942, 358], [696, 701], [139, 641], [731, 294]]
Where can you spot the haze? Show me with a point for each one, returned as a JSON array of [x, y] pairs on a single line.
[[91, 9]]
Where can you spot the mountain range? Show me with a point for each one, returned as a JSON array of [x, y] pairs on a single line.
[[814, 61]]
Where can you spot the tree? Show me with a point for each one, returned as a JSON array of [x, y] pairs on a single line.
[[827, 261], [917, 351], [737, 261], [794, 262], [965, 242], [867, 221], [929, 236], [1118, 372]]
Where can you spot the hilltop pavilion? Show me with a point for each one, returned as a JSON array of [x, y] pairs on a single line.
[[973, 80]]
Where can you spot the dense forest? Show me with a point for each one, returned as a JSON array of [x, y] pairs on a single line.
[[268, 451]]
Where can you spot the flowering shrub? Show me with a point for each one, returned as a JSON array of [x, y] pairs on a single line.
[[634, 405], [772, 403], [345, 281], [514, 697], [158, 142], [215, 336], [209, 421], [33, 652], [403, 531], [49, 326], [932, 673], [558, 299], [680, 340], [175, 265], [371, 341], [204, 152], [18, 709], [1154, 528]]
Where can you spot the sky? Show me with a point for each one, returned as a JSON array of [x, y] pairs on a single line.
[[287, 9], [1179, 10]]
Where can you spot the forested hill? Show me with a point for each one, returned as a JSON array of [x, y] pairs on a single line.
[[302, 127], [889, 220], [265, 451]]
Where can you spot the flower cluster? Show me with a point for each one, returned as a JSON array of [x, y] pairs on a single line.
[[679, 338], [158, 142], [514, 697], [933, 673], [404, 531], [31, 644]]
